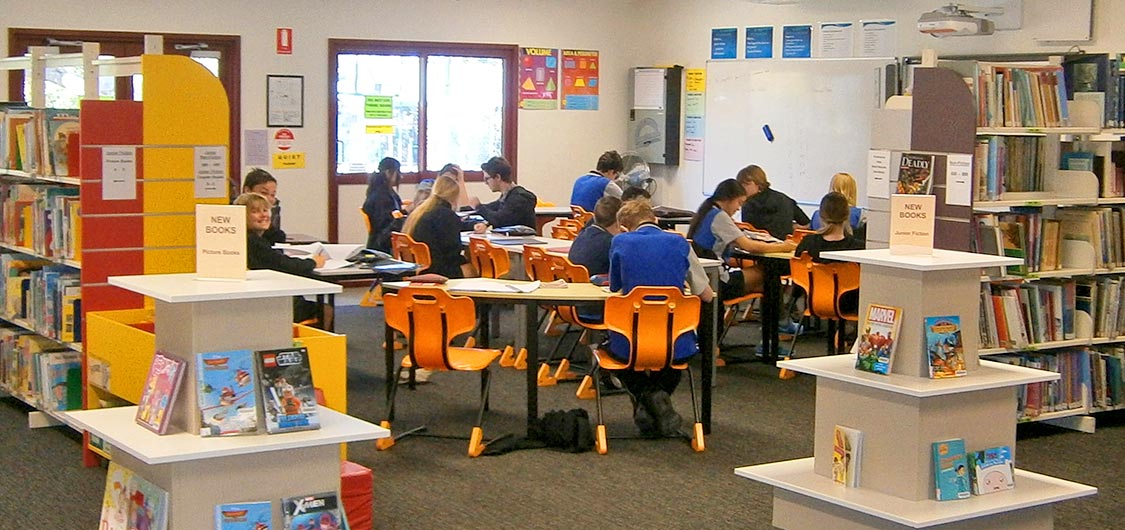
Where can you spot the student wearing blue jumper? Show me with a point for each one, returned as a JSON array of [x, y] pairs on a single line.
[[591, 248], [598, 182], [714, 234], [516, 205], [645, 255]]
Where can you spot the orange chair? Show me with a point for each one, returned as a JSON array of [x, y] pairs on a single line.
[[563, 269], [490, 260], [651, 318], [580, 214], [405, 248], [824, 284], [429, 318], [799, 234], [567, 229]]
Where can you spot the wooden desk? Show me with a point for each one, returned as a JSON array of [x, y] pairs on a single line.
[[546, 214], [574, 294]]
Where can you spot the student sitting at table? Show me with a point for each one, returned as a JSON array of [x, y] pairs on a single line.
[[454, 172], [516, 205], [260, 254], [435, 223], [633, 192], [645, 255], [836, 234], [768, 209], [714, 235], [263, 183], [599, 182], [843, 183], [383, 207], [591, 248]]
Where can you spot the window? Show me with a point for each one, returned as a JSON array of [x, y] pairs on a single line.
[[424, 104]]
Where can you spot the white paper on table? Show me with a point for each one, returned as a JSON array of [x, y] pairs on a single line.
[[489, 286]]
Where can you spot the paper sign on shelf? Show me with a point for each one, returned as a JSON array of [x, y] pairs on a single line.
[[220, 242], [878, 173], [959, 180], [912, 224], [211, 172], [119, 173]]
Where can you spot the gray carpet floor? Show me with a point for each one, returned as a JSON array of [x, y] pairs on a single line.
[[430, 483]]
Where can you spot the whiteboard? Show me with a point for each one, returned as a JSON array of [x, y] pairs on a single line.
[[818, 110]]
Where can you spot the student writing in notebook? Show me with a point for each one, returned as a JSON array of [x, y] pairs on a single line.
[[516, 205]]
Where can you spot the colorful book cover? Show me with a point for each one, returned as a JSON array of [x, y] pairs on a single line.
[[158, 397], [131, 502], [992, 470], [227, 402], [878, 337], [944, 346], [915, 174], [320, 512], [288, 396], [245, 516], [951, 470], [846, 453]]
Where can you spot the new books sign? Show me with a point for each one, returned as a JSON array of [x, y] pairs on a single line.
[[220, 242], [912, 224]]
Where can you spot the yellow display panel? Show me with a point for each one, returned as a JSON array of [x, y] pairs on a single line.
[[170, 260], [184, 103], [169, 230], [110, 337], [163, 197]]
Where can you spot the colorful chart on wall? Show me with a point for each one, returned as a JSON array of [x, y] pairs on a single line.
[[539, 74], [580, 80]]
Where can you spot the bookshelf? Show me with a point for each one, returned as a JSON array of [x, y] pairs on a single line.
[[900, 415], [942, 118], [199, 473]]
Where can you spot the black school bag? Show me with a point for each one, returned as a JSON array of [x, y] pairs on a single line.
[[568, 431]]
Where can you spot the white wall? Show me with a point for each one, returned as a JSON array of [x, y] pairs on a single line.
[[684, 30], [554, 146]]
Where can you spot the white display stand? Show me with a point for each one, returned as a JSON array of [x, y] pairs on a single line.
[[903, 413], [194, 316]]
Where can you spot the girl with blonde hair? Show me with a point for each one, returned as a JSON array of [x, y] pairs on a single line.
[[844, 184], [435, 223]]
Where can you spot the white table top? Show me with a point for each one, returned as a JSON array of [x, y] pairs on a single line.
[[118, 426], [553, 210], [990, 375], [177, 288], [940, 260], [547, 243], [1032, 489]]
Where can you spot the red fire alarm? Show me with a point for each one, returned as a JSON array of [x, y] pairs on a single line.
[[285, 41]]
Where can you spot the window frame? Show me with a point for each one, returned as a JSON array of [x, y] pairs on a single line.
[[509, 53]]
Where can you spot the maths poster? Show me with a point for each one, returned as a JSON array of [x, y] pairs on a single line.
[[580, 80], [539, 78]]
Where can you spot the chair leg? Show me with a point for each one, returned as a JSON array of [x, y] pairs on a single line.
[[383, 444], [786, 373], [508, 358], [476, 445], [520, 362], [600, 441]]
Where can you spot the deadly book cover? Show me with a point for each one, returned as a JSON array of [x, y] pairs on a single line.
[[915, 174]]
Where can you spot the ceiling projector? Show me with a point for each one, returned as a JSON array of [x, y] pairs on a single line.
[[952, 21]]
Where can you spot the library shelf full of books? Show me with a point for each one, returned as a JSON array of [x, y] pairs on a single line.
[[901, 414], [199, 473]]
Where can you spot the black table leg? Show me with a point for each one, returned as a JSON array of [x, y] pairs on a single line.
[[771, 309], [532, 344], [389, 357], [707, 324]]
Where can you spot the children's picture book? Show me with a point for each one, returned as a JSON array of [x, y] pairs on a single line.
[[288, 396], [321, 512], [131, 502], [847, 445], [951, 470], [158, 397], [878, 337], [944, 346], [245, 516], [915, 174], [992, 470], [228, 404]]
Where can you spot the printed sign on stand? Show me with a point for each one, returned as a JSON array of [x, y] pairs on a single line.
[[220, 242], [912, 224]]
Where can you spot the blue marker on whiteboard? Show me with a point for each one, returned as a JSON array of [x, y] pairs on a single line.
[[768, 132]]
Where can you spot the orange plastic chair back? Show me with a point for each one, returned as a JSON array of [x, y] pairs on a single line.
[[537, 263], [366, 219], [799, 234], [580, 214], [847, 280], [405, 248], [652, 318], [568, 271], [561, 231], [490, 260], [429, 318], [800, 273], [822, 295]]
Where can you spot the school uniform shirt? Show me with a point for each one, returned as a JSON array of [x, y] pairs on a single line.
[[260, 254], [855, 217], [650, 256], [591, 249], [814, 244], [591, 187], [774, 212], [440, 229], [514, 207], [714, 235], [379, 206]]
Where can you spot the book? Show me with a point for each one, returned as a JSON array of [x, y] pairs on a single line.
[[244, 516], [951, 470], [915, 174], [877, 340], [131, 502], [288, 396], [158, 396], [992, 470], [847, 445], [228, 404], [321, 511], [944, 346]]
